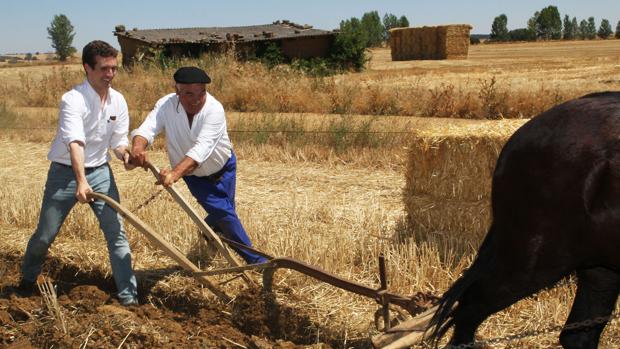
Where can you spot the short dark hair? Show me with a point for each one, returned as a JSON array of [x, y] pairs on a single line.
[[97, 48]]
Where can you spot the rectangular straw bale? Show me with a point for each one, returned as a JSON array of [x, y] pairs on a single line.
[[426, 214], [456, 162], [457, 41], [441, 42]]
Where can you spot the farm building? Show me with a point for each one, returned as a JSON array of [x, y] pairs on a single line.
[[441, 42], [294, 40]]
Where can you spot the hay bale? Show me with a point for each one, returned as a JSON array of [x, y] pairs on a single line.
[[456, 162], [441, 42], [426, 214], [456, 41], [449, 172]]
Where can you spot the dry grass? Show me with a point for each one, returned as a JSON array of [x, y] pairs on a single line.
[[48, 293], [497, 81], [358, 140], [337, 217]]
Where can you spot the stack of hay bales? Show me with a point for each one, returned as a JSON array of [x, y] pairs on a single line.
[[441, 42], [448, 176]]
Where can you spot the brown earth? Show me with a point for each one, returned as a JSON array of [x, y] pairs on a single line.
[[94, 317]]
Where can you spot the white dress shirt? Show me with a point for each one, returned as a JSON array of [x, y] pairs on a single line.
[[82, 118], [206, 142]]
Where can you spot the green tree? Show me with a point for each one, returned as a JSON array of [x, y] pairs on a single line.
[[349, 48], [568, 31], [549, 23], [591, 33], [522, 34], [371, 24], [270, 54], [583, 29], [618, 30], [61, 33], [532, 23], [575, 28], [404, 22], [499, 28], [604, 31], [389, 21]]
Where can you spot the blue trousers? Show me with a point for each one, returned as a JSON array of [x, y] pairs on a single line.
[[216, 194], [58, 200]]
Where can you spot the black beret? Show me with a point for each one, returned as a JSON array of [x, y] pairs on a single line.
[[191, 75]]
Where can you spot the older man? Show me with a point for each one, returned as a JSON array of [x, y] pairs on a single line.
[[199, 151], [93, 118]]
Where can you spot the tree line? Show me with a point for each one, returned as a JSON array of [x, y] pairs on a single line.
[[547, 24]]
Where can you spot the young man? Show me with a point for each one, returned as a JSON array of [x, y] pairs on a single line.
[[93, 118], [199, 151]]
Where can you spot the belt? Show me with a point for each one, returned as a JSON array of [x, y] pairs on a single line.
[[71, 167], [215, 177]]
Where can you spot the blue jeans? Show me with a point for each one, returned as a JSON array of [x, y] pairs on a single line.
[[58, 200], [216, 194]]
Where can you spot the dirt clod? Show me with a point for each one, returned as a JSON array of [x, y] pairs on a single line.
[[258, 313]]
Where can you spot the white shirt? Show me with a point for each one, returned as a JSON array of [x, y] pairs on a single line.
[[82, 118], [206, 142]]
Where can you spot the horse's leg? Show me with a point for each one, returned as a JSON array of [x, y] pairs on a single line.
[[597, 292]]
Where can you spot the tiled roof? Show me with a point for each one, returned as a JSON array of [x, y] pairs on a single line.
[[277, 30]]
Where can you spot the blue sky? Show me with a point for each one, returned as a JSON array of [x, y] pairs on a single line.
[[23, 24]]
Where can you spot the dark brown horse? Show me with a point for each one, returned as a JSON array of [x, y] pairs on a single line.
[[556, 210]]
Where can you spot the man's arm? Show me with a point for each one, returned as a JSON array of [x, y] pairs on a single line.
[[118, 141], [76, 151], [169, 177], [146, 133]]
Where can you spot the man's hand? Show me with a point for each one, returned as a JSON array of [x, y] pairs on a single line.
[[139, 157], [128, 161], [167, 177], [76, 151], [138, 152], [83, 189], [122, 153]]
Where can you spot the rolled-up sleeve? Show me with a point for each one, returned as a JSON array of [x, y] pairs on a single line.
[[211, 132], [121, 127], [70, 119], [153, 124]]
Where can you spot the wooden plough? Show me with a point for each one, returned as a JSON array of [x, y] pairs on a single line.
[[401, 336]]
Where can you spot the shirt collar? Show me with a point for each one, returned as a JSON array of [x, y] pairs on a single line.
[[93, 94]]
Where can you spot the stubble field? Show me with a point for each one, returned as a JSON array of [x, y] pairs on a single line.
[[321, 187]]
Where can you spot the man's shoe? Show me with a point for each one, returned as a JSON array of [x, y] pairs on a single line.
[[129, 301], [260, 260], [25, 288]]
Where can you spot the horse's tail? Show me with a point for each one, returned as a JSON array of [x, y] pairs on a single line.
[[443, 318]]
